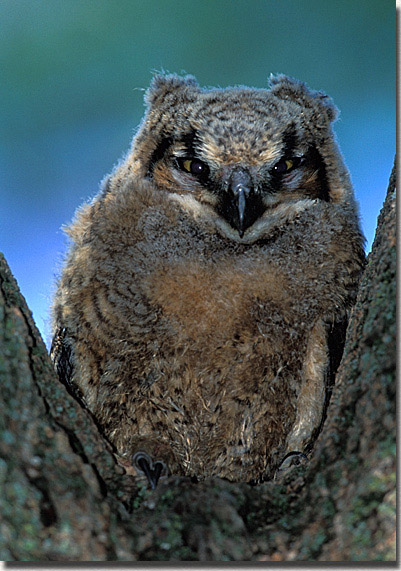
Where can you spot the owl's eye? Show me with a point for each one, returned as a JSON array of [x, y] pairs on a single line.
[[194, 166], [285, 165]]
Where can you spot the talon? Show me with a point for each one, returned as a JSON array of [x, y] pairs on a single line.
[[152, 470], [157, 471], [292, 459]]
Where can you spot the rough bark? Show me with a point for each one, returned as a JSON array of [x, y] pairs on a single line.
[[63, 497]]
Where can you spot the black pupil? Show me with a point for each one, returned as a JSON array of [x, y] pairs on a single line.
[[280, 167], [197, 167]]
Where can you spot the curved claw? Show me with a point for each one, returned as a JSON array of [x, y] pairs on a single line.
[[292, 459], [152, 470]]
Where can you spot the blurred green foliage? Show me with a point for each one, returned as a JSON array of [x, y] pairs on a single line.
[[72, 61]]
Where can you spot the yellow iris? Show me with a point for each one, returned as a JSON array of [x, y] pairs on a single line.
[[187, 165]]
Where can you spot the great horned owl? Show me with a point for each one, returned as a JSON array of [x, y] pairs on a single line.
[[200, 314]]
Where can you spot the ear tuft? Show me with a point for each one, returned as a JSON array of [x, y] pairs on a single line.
[[285, 87], [163, 85]]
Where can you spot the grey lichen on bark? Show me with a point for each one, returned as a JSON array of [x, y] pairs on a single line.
[[63, 497]]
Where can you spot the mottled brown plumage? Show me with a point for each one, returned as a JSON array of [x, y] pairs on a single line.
[[200, 312]]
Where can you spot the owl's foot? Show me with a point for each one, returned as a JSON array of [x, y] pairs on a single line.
[[291, 460], [152, 469]]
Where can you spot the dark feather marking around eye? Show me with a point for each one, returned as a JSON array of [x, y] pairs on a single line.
[[316, 159], [159, 153], [190, 141], [313, 157], [290, 141]]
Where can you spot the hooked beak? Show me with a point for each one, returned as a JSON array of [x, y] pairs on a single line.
[[241, 206]]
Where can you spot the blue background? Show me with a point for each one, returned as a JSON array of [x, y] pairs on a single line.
[[72, 79]]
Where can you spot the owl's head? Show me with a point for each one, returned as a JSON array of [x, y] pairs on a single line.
[[244, 157]]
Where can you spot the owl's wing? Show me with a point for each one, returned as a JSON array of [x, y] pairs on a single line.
[[61, 353], [335, 346], [316, 388]]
